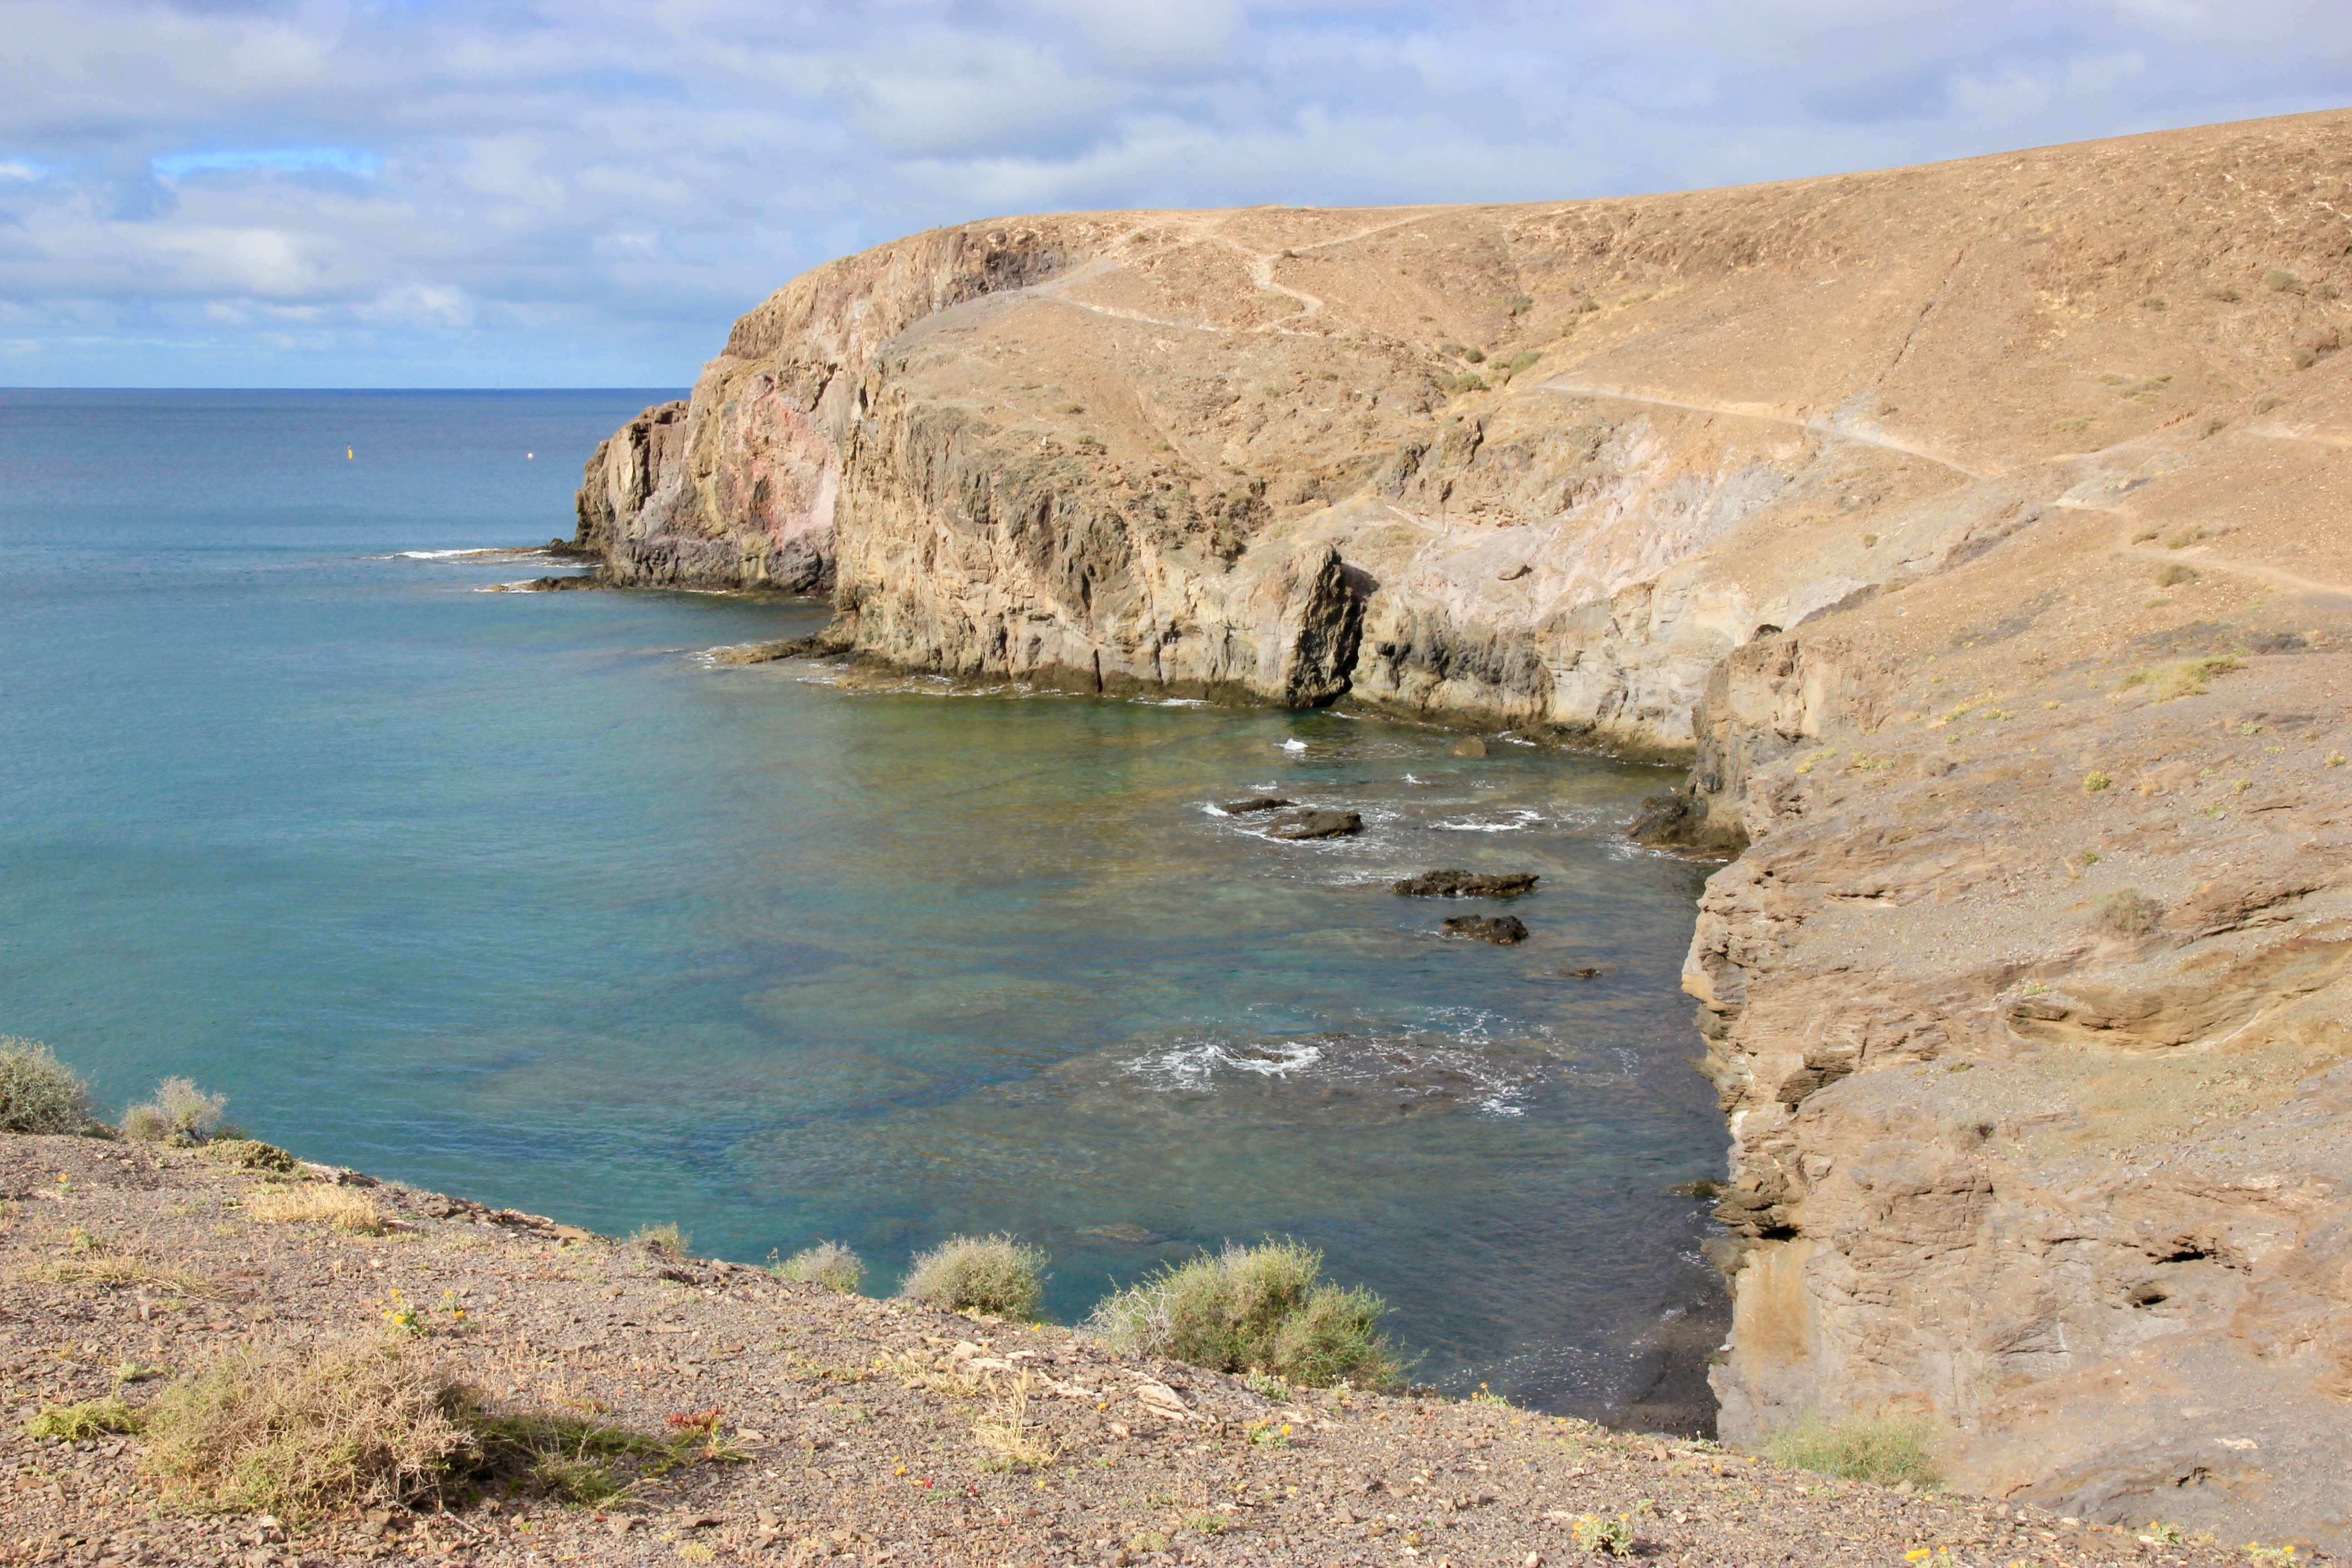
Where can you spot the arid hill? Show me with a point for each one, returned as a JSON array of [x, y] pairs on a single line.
[[1981, 532]]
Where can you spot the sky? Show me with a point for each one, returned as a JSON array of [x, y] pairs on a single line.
[[586, 193]]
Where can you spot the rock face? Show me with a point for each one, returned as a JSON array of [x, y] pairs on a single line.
[[1977, 532]]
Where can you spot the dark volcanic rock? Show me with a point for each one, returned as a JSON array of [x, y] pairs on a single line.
[[1317, 825], [1504, 928], [1254, 803], [1466, 885]]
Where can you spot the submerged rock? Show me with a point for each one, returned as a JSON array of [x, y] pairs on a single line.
[[1254, 803], [1470, 746], [1466, 885], [1506, 930], [1124, 1233], [1318, 825]]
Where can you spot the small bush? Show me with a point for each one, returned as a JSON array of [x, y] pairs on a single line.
[[2129, 912], [76, 1423], [2228, 296], [2172, 574], [993, 1274], [1475, 354], [354, 1214], [662, 1240], [1598, 1535], [1262, 1308], [180, 1112], [251, 1155], [2093, 782], [350, 1429], [1012, 1440], [828, 1263], [1886, 1450], [1455, 386], [39, 1093], [374, 1425], [2279, 280]]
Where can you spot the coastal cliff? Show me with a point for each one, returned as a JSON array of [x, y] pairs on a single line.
[[1979, 532]]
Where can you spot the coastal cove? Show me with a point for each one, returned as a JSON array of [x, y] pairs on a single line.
[[519, 896]]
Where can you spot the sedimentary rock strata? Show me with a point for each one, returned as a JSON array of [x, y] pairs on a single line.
[[1977, 530]]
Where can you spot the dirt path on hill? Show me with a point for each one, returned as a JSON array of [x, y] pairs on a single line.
[[1888, 443]]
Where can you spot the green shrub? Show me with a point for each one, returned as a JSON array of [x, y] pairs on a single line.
[[90, 1419], [2172, 574], [1886, 1450], [180, 1112], [39, 1093], [828, 1263], [1265, 1309], [1455, 386], [993, 1274]]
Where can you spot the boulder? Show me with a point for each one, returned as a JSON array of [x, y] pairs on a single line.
[[1254, 803], [1466, 885], [1507, 930], [1317, 825], [1470, 746]]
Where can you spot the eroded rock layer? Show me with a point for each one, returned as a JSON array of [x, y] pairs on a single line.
[[1979, 531]]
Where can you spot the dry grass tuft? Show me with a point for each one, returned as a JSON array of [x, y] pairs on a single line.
[[340, 1207], [1012, 1440], [993, 1274], [119, 1271]]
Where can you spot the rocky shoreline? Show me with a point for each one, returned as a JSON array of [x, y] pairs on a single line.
[[794, 1426], [1978, 534]]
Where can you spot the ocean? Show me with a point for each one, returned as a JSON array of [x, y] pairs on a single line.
[[517, 896]]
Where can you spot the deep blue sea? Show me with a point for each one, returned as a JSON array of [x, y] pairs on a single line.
[[512, 895]]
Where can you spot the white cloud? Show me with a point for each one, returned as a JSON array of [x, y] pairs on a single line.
[[347, 191]]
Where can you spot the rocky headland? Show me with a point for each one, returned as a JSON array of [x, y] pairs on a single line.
[[1978, 532]]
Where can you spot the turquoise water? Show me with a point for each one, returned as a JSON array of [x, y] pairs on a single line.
[[510, 895]]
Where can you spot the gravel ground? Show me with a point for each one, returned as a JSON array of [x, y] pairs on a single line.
[[847, 1429]]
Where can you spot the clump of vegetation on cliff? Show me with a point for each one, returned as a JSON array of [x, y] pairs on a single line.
[[1255, 1309], [180, 1113], [375, 1425], [1886, 1450], [39, 1093], [828, 1263], [993, 1274]]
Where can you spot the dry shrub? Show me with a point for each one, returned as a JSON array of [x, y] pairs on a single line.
[[39, 1093], [1884, 1449], [2129, 912], [370, 1426], [1264, 1308], [828, 1263], [180, 1112], [2173, 573], [340, 1207], [994, 1274], [662, 1240], [350, 1429]]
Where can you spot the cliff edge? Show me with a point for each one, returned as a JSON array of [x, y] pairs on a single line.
[[1977, 530]]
